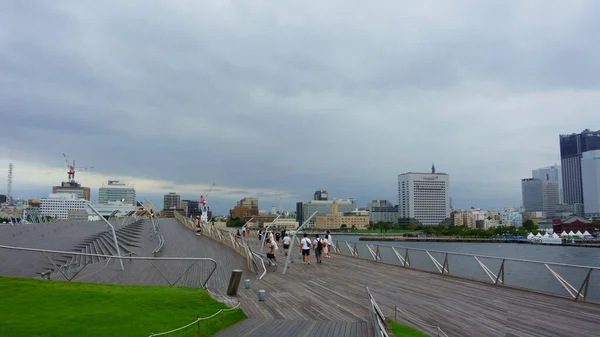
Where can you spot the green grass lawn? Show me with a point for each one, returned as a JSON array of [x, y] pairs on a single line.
[[31, 307], [400, 330]]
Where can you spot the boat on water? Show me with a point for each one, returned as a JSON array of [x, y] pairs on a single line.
[[549, 240]]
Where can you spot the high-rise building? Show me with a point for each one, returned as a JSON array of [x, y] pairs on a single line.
[[424, 197], [571, 148], [590, 177], [172, 201], [72, 187], [553, 173], [320, 195], [251, 203], [382, 211], [58, 204], [540, 195], [115, 190], [299, 213]]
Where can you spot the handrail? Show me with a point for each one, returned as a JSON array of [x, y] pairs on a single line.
[[194, 322], [227, 238], [161, 242], [263, 264], [122, 257], [497, 278], [437, 328], [377, 317], [490, 257]]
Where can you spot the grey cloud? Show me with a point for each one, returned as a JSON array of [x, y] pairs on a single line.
[[293, 97]]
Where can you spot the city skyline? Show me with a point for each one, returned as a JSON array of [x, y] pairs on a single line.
[[284, 98]]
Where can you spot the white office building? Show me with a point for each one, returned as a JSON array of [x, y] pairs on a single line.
[[116, 191], [590, 179], [424, 197], [57, 205]]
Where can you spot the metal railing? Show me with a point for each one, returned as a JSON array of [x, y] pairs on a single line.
[[197, 321], [433, 328], [377, 317], [224, 236], [161, 243], [66, 269], [526, 274]]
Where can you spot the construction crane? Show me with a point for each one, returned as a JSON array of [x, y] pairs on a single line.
[[203, 197], [72, 170]]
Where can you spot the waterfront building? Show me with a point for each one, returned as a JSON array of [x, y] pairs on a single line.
[[574, 223], [172, 201], [325, 207], [57, 205], [116, 190], [424, 197], [571, 149], [287, 223], [320, 195], [382, 211], [590, 178], [251, 203], [72, 187], [540, 195], [335, 219], [241, 212], [512, 218], [469, 218], [78, 215], [553, 173]]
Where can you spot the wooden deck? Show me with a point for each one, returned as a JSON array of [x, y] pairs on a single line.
[[334, 292], [323, 300]]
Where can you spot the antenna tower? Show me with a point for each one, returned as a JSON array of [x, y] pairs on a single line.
[[9, 188]]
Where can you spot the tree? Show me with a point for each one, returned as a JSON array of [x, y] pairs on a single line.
[[343, 225], [530, 226], [234, 222]]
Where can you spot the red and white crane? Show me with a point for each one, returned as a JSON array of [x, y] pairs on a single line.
[[72, 170], [203, 197]]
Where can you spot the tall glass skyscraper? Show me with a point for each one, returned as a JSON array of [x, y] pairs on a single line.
[[571, 148]]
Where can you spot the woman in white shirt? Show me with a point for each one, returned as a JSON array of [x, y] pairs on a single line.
[[286, 243], [329, 244]]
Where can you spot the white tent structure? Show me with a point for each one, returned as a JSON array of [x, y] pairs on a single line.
[[571, 233], [546, 235], [579, 233], [539, 236], [586, 233], [564, 233], [555, 236], [530, 236]]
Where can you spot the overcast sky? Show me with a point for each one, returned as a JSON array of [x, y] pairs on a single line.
[[287, 97]]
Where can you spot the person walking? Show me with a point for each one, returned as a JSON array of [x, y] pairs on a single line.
[[286, 243], [259, 234], [305, 246], [318, 247], [329, 243], [271, 253]]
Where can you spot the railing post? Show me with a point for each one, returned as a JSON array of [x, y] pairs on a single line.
[[406, 258], [446, 266], [500, 273], [584, 286]]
